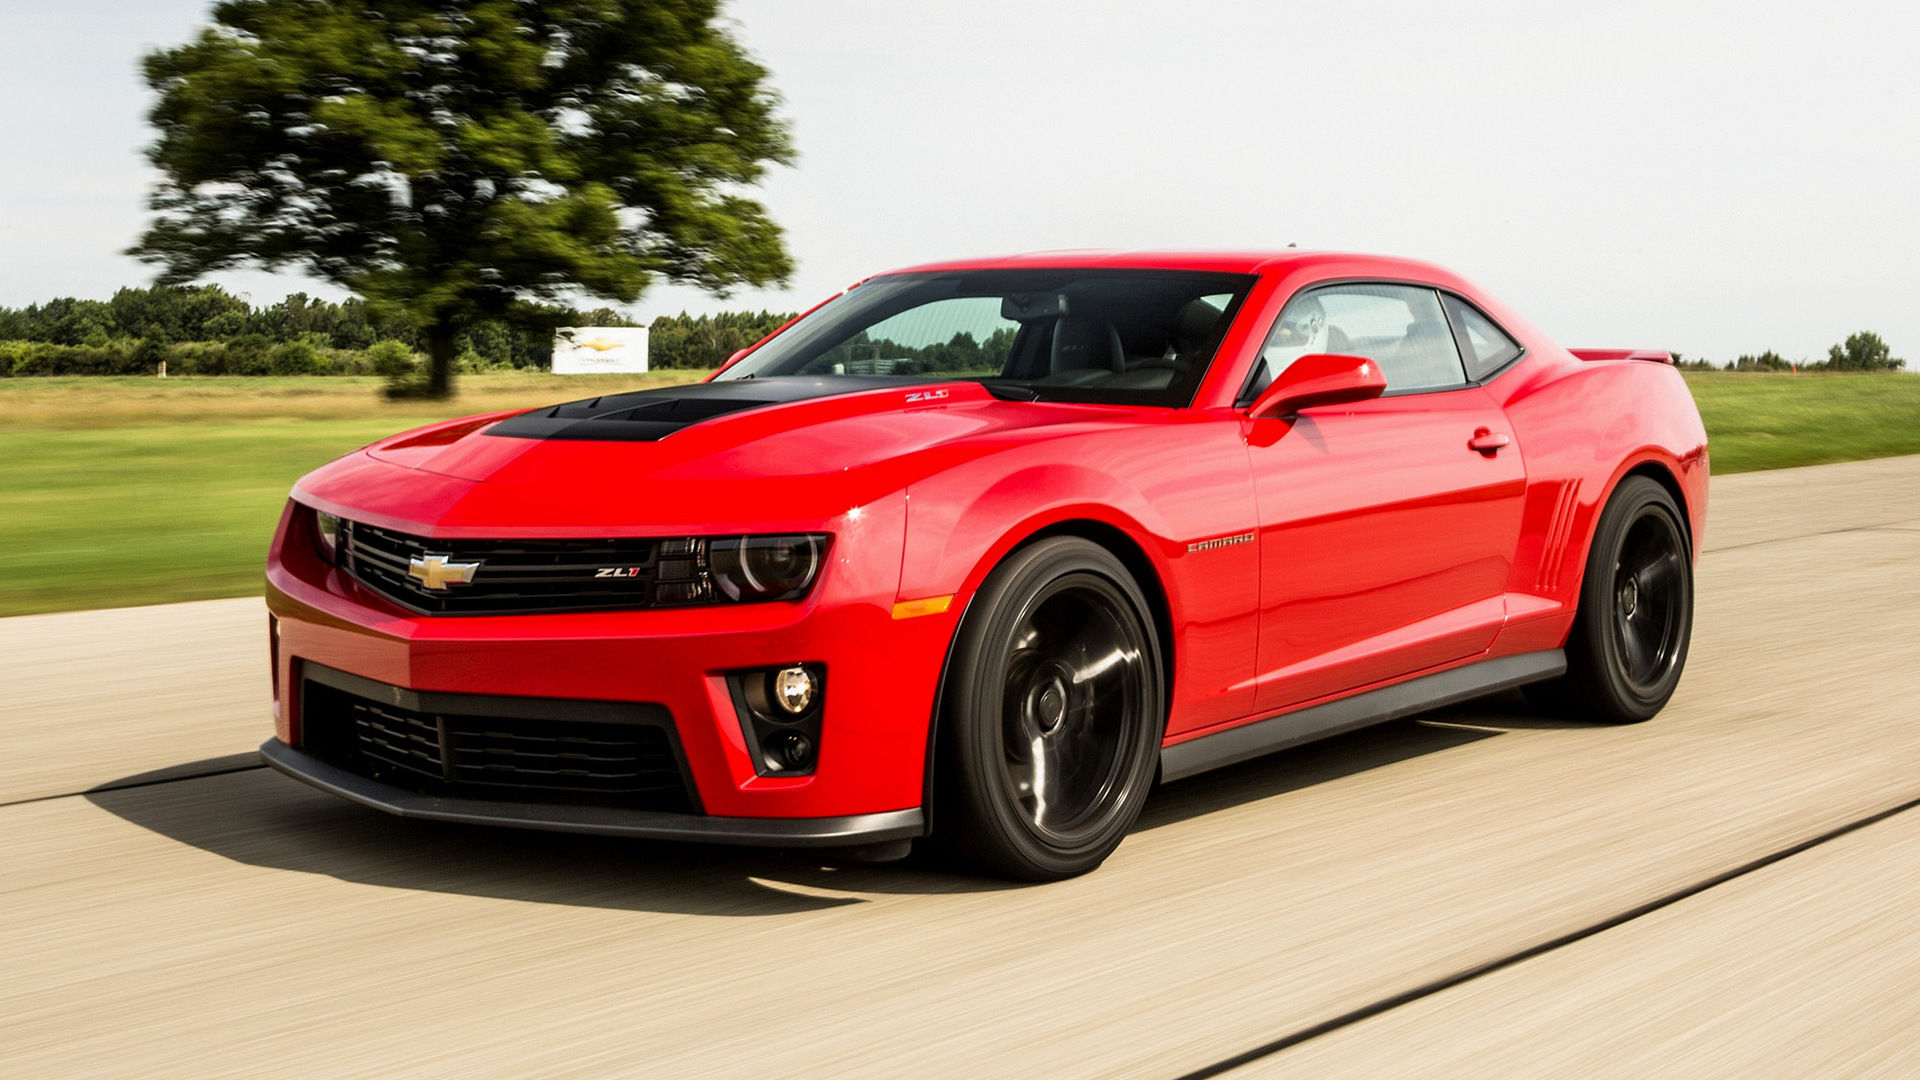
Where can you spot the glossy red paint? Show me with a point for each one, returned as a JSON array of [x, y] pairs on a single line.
[[1367, 575], [1319, 379], [1293, 559]]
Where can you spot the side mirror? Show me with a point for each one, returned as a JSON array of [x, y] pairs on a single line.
[[730, 361], [1319, 379]]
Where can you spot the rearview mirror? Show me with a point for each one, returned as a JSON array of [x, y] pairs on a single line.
[[1319, 379], [1028, 307]]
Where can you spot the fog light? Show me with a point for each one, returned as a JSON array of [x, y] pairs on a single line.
[[781, 711], [793, 689], [790, 750]]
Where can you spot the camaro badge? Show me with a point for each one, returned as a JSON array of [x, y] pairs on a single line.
[[435, 572], [1220, 542]]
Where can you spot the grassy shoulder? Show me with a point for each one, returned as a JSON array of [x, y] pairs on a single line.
[[1761, 420], [123, 491]]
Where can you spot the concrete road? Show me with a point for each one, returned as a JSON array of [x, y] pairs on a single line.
[[1483, 892]]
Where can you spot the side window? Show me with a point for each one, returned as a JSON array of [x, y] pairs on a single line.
[[1488, 347], [1399, 326]]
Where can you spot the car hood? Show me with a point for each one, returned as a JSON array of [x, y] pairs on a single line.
[[761, 454]]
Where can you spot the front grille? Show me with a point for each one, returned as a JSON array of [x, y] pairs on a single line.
[[523, 576], [475, 746]]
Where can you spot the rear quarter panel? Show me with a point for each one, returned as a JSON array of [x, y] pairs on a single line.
[[1583, 427]]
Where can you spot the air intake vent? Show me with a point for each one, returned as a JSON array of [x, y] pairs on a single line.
[[479, 746], [1553, 556]]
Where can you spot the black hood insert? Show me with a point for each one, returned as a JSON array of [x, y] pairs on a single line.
[[651, 415]]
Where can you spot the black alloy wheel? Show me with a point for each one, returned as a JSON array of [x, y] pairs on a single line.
[[1053, 714], [1647, 600], [1635, 621]]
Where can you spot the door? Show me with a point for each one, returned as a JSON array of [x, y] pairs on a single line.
[[1387, 527]]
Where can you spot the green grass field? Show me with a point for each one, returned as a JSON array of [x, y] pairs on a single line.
[[1777, 421], [116, 492]]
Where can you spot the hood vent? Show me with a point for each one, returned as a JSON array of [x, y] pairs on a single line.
[[651, 415]]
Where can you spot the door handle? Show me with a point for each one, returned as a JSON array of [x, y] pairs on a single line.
[[1488, 441]]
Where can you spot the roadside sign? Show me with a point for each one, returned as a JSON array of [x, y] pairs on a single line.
[[590, 350]]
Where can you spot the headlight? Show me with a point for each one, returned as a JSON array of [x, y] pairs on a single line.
[[326, 536], [534, 575], [764, 567]]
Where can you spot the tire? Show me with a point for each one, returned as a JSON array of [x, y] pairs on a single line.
[[1629, 641], [1052, 717]]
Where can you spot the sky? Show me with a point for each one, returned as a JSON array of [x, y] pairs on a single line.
[[1711, 178]]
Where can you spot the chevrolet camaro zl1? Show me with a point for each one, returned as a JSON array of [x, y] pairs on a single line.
[[979, 551]]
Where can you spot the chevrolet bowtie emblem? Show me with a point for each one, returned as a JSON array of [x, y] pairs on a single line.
[[435, 572], [601, 344]]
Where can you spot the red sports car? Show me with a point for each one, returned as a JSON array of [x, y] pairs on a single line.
[[978, 551]]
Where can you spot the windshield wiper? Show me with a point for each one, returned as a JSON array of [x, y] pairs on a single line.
[[1007, 391]]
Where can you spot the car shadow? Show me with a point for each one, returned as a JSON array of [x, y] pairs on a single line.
[[260, 818], [234, 808], [1508, 711], [1315, 763]]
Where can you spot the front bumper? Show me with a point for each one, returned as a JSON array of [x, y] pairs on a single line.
[[843, 831], [881, 675]]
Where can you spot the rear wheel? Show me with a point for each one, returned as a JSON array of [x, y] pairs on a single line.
[[1629, 640], [1053, 715]]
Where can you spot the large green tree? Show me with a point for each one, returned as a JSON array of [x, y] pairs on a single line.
[[1863, 351], [460, 160]]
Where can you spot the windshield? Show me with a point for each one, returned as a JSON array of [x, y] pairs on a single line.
[[1124, 337]]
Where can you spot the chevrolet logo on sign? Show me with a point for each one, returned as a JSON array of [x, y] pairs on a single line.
[[435, 572]]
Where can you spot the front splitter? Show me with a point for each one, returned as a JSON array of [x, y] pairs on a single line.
[[848, 831]]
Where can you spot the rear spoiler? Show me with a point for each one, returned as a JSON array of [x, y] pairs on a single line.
[[1658, 356]]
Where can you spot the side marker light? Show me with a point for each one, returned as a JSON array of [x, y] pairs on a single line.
[[913, 609]]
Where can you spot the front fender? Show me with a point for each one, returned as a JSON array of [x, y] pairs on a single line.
[[954, 539]]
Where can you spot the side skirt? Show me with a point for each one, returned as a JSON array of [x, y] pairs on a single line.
[[1362, 710]]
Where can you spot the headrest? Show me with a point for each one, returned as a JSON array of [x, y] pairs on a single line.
[[1193, 323], [1079, 344]]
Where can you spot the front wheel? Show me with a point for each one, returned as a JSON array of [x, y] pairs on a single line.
[[1052, 715], [1629, 640]]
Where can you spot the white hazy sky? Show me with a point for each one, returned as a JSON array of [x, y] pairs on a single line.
[[1712, 178]]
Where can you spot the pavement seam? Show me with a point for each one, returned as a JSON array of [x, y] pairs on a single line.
[[1448, 982], [1885, 526], [129, 787]]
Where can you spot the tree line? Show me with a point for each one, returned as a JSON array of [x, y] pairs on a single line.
[[1864, 351], [864, 354], [205, 330]]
